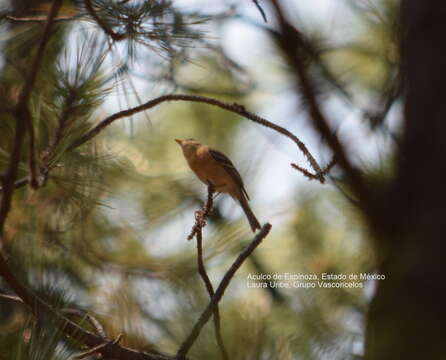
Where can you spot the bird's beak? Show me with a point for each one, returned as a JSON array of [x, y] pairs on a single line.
[[179, 141]]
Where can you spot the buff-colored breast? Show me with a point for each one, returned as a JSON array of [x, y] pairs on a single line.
[[209, 170]]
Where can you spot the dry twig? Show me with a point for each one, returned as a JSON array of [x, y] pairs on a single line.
[[200, 222], [235, 108], [97, 349], [204, 318], [319, 173], [90, 318]]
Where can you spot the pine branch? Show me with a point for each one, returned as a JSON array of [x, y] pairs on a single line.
[[76, 312], [18, 183], [40, 308], [200, 222], [319, 173], [97, 349], [37, 19], [90, 318], [34, 181], [312, 176], [204, 318], [235, 108], [23, 118], [290, 41], [202, 215], [103, 25]]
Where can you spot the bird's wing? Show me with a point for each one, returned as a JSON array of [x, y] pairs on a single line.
[[227, 164]]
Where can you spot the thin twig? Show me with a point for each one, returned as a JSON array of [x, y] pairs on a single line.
[[48, 152], [11, 297], [18, 184], [256, 3], [37, 19], [202, 215], [204, 318], [22, 118], [210, 290], [235, 108], [290, 41], [63, 123], [90, 318], [197, 230], [104, 26], [34, 181], [97, 349], [312, 176]]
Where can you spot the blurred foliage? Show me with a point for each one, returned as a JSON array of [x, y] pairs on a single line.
[[108, 228]]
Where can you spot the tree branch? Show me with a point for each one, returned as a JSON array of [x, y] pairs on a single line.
[[200, 222], [36, 19], [90, 318], [23, 117], [18, 184], [204, 318], [311, 176], [40, 307], [262, 12], [235, 108], [97, 349], [76, 312], [319, 173], [103, 25], [34, 181], [290, 41]]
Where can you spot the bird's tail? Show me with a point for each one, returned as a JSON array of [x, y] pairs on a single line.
[[249, 214]]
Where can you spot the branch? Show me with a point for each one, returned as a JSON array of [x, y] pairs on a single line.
[[202, 215], [200, 222], [76, 312], [37, 19], [11, 297], [34, 181], [97, 349], [18, 184], [290, 41], [256, 3], [90, 318], [104, 26], [39, 307], [46, 166], [311, 176], [235, 108], [23, 117], [204, 318]]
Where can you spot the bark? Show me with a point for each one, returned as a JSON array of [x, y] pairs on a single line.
[[407, 315]]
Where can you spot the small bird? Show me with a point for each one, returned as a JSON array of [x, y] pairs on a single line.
[[213, 167]]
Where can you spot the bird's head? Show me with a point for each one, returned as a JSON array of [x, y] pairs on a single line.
[[189, 146]]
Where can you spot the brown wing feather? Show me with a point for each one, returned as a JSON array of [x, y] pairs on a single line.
[[229, 167]]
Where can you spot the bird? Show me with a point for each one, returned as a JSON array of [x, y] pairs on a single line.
[[213, 167]]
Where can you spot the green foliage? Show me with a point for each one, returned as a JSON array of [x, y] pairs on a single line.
[[110, 221]]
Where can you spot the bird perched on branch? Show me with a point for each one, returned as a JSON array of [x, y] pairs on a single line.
[[213, 167]]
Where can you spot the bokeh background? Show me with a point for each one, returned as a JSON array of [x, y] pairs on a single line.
[[107, 232]]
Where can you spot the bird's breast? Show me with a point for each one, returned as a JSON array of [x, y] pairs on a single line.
[[208, 170]]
